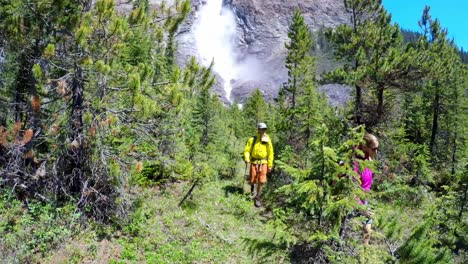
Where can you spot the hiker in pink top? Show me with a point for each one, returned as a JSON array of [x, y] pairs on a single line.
[[366, 180], [369, 148]]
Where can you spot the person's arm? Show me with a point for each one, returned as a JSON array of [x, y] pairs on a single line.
[[270, 156], [247, 149]]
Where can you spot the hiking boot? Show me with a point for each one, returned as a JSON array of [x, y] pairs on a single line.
[[253, 195], [257, 202], [253, 191]]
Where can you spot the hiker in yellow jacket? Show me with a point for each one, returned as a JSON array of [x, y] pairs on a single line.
[[259, 153]]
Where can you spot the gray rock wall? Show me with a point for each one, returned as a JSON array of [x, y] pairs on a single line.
[[263, 27]]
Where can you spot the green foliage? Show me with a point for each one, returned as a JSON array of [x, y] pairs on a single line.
[[255, 110], [216, 231], [280, 227], [29, 231], [117, 110], [422, 245], [152, 173], [298, 102], [237, 205], [113, 87], [317, 194], [376, 62], [442, 86], [140, 215]]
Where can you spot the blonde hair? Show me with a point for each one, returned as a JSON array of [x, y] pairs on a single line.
[[371, 140]]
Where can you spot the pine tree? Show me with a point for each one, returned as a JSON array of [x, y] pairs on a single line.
[[376, 64], [203, 115], [297, 59], [255, 110], [436, 122], [31, 30], [105, 84], [236, 120], [312, 110], [320, 196], [423, 245], [298, 93]]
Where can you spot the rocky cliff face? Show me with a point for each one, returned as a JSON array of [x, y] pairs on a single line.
[[262, 27]]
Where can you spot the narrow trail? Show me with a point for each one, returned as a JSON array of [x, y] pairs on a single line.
[[216, 224]]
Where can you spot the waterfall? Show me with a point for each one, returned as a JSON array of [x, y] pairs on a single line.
[[215, 33]]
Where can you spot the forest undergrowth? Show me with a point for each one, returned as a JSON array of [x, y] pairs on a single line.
[[217, 224], [111, 152]]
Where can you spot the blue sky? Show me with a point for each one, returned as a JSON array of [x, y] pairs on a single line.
[[452, 15]]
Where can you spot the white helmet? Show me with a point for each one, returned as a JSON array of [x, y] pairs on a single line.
[[262, 126]]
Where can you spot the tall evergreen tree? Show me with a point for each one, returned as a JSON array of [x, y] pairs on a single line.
[[432, 113], [203, 114], [441, 63], [255, 110], [375, 62], [97, 76], [297, 59], [30, 27], [298, 92]]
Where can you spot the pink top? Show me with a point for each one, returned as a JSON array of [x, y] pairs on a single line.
[[366, 179]]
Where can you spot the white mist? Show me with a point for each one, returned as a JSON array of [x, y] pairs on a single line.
[[215, 33]]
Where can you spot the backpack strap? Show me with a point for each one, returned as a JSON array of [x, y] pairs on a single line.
[[253, 144]]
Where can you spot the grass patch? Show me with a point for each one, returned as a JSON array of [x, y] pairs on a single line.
[[28, 231], [215, 225]]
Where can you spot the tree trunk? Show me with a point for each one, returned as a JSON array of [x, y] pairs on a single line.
[[77, 107], [26, 85], [170, 51], [76, 121], [463, 202], [294, 89], [454, 153], [344, 222], [323, 182], [435, 120], [455, 137], [22, 86], [189, 192], [358, 106], [205, 138], [35, 104], [308, 134], [380, 106], [358, 99]]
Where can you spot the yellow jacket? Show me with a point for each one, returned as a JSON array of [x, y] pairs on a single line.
[[260, 152]]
